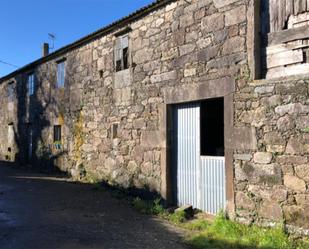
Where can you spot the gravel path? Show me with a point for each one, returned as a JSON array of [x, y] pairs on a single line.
[[39, 211]]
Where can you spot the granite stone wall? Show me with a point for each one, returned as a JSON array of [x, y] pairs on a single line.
[[271, 180], [115, 124]]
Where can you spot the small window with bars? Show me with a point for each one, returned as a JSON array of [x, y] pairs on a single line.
[[60, 74], [57, 133], [30, 84], [122, 53]]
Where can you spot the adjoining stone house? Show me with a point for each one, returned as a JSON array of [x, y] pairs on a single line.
[[181, 98]]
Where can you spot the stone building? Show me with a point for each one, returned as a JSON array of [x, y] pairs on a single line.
[[202, 101]]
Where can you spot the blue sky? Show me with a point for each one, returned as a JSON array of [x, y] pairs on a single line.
[[25, 24]]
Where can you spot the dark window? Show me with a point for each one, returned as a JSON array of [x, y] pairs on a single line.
[[60, 74], [122, 53], [114, 130], [57, 133], [10, 92], [30, 84], [212, 127]]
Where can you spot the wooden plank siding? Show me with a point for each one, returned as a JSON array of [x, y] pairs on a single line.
[[280, 10], [288, 35], [285, 58], [285, 37]]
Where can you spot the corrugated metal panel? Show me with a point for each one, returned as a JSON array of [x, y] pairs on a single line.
[[187, 131], [213, 184], [200, 180]]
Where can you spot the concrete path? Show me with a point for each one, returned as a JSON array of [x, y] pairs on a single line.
[[38, 211]]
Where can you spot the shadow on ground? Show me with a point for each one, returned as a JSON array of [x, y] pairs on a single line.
[[47, 211]]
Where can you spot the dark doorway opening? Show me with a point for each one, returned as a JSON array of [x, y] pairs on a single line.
[[212, 127]]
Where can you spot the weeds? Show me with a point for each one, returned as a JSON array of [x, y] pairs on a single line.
[[177, 217], [222, 233], [148, 207]]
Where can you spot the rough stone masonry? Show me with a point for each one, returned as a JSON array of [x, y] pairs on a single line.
[[114, 124]]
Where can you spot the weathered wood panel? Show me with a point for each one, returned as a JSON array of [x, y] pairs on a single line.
[[285, 58], [283, 48], [289, 8], [288, 35], [278, 72], [280, 10]]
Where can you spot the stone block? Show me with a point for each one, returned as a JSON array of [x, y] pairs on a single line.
[[264, 89], [226, 61], [207, 54], [243, 157], [302, 122], [255, 117], [297, 215], [244, 202], [122, 79], [273, 193], [137, 154], [233, 45], [186, 20], [262, 157], [294, 183], [274, 138], [189, 72], [268, 174], [271, 101], [302, 199], [235, 16], [204, 42], [213, 22], [88, 148], [285, 123], [142, 56], [244, 138], [292, 109], [172, 75], [171, 6], [186, 49], [270, 210], [222, 3], [296, 146], [76, 96], [139, 123], [302, 171], [286, 159], [152, 139]]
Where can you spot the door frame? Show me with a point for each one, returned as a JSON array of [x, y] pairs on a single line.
[[224, 87]]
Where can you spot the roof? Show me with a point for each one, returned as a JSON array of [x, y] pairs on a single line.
[[92, 36]]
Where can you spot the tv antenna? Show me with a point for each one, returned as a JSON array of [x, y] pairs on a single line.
[[53, 38]]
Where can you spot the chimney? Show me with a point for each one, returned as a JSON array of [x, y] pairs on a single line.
[[45, 49]]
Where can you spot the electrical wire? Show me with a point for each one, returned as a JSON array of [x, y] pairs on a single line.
[[9, 64]]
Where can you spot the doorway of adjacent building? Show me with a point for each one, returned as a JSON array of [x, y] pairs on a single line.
[[198, 155]]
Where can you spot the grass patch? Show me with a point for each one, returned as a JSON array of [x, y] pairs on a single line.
[[221, 233], [196, 225], [148, 207], [177, 217]]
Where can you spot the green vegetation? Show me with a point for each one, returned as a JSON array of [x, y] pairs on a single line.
[[221, 233], [148, 207], [306, 130]]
